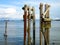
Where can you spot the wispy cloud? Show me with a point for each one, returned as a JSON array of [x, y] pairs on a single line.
[[12, 12]]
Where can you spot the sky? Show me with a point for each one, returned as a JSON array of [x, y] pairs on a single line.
[[12, 9]]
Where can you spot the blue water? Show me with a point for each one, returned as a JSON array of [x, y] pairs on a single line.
[[15, 32]]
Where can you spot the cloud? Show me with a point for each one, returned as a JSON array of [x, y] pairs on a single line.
[[10, 12], [7, 11]]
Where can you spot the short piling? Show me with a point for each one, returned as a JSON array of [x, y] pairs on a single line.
[[5, 34]]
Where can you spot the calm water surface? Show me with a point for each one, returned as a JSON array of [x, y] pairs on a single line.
[[15, 33]]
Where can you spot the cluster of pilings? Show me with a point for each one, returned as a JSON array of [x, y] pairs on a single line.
[[28, 16], [45, 24]]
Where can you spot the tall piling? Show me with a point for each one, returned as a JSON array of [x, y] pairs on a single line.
[[44, 24], [47, 22], [25, 22], [41, 15], [33, 15], [29, 41]]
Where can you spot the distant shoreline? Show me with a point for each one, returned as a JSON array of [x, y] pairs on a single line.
[[55, 20], [23, 20]]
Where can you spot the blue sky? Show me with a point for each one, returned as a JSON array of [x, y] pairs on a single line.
[[12, 9]]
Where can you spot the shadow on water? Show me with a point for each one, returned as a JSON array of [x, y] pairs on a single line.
[[5, 37]]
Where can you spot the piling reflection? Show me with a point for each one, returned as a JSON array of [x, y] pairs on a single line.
[[5, 37]]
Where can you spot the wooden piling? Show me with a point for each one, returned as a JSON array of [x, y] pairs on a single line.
[[29, 41], [33, 14], [46, 23], [46, 33], [49, 27], [25, 21], [41, 16], [5, 34]]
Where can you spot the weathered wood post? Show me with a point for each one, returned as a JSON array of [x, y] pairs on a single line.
[[47, 14], [25, 21], [47, 23], [46, 33], [44, 24], [5, 34], [33, 17], [29, 15], [49, 27], [41, 16]]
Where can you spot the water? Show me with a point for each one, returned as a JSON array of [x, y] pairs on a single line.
[[15, 32]]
